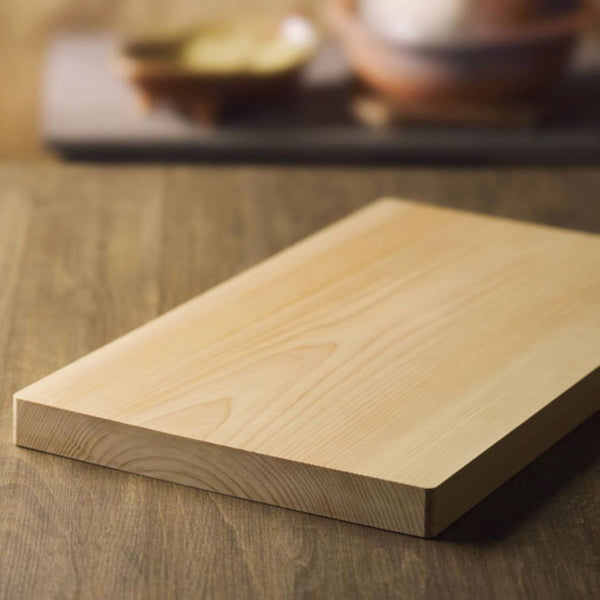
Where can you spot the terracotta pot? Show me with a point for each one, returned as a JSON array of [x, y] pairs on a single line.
[[486, 66]]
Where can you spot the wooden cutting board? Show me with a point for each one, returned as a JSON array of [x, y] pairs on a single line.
[[391, 370]]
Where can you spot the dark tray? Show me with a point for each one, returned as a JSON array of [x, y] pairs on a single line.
[[89, 113]]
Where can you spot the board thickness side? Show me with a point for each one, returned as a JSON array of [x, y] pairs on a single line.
[[251, 476], [459, 493]]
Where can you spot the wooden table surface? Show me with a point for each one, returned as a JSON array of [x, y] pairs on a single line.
[[88, 253]]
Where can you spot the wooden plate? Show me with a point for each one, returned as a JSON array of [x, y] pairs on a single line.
[[201, 71]]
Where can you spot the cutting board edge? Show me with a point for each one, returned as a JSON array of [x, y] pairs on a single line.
[[293, 485], [511, 454]]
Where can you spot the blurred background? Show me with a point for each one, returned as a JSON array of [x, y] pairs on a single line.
[[26, 28], [174, 81]]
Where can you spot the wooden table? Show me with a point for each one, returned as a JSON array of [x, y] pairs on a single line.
[[88, 253]]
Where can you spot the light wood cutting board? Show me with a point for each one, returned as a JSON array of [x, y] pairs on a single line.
[[391, 370]]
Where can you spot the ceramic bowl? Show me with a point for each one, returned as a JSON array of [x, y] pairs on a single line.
[[488, 65]]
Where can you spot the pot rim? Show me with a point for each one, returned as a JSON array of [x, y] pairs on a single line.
[[342, 17]]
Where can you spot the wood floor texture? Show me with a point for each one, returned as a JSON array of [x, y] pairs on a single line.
[[88, 253]]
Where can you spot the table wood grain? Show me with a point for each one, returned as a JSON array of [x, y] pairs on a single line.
[[88, 253]]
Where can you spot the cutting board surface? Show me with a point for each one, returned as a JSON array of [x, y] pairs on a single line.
[[391, 370]]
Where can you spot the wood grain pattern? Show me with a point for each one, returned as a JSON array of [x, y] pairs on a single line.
[[354, 375], [73, 530]]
